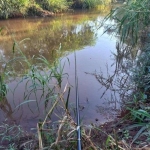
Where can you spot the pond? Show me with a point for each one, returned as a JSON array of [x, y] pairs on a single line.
[[58, 38]]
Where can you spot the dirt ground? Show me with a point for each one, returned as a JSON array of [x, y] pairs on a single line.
[[121, 136], [114, 135]]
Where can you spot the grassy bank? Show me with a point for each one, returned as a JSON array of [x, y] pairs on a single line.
[[21, 8], [133, 24]]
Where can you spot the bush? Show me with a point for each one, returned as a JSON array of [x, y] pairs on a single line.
[[54, 5], [34, 10], [9, 7], [89, 3]]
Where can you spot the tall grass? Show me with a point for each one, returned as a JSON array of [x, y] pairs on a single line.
[[132, 18]]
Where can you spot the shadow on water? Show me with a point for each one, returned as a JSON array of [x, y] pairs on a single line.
[[56, 39]]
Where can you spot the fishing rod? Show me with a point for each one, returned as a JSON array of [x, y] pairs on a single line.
[[77, 108]]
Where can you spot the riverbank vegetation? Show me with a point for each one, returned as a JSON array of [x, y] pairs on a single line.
[[129, 132], [132, 27], [22, 8]]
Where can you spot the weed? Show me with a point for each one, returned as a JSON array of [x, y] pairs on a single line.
[[132, 19], [126, 134]]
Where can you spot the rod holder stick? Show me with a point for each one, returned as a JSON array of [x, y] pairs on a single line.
[[77, 107]]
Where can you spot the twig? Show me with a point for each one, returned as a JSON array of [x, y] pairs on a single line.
[[50, 111], [59, 130], [40, 138]]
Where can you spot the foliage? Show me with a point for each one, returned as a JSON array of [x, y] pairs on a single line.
[[132, 18], [142, 70], [132, 26], [54, 5], [9, 7], [89, 3], [19, 8], [9, 133], [34, 10]]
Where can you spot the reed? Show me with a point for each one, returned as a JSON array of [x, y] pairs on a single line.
[[132, 18]]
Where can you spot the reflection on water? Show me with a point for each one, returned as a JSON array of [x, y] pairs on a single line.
[[47, 36], [56, 38]]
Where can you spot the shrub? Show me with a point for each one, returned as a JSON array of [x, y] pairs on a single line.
[[34, 9], [9, 7], [89, 3], [54, 5]]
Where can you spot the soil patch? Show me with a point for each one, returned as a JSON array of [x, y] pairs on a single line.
[[114, 135]]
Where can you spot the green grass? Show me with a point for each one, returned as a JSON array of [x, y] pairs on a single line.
[[132, 18]]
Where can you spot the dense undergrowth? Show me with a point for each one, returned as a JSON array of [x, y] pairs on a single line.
[[20, 8]]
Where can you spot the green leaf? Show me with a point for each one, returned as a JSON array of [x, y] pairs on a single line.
[[25, 102]]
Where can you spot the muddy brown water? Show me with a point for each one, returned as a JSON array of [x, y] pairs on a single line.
[[58, 38]]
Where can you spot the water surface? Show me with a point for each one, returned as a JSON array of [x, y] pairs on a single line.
[[58, 38]]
